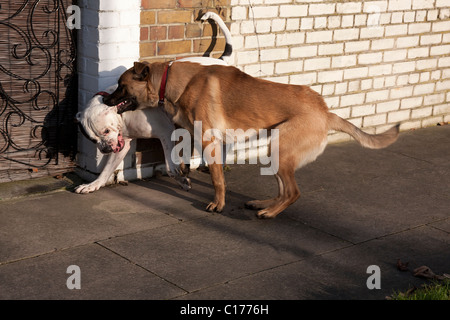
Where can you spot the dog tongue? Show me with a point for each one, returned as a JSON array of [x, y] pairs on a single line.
[[120, 144]]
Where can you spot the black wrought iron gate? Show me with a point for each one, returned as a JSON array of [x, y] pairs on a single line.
[[38, 89]]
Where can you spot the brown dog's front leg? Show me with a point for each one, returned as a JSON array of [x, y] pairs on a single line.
[[218, 181]]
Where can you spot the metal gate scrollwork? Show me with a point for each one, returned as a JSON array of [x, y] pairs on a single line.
[[38, 89]]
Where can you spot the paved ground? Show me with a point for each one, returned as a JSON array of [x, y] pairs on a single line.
[[151, 240]]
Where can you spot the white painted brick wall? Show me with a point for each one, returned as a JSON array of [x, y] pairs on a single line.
[[376, 62], [108, 44]]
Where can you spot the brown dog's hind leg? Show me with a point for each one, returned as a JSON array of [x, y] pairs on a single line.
[[214, 161], [289, 194], [262, 204]]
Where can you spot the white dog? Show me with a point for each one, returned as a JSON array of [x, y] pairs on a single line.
[[113, 132]]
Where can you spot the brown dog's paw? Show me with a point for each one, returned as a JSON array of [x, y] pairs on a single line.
[[214, 206], [266, 214]]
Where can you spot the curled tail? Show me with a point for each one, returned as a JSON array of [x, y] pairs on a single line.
[[228, 46], [372, 141]]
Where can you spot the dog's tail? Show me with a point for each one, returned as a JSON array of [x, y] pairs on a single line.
[[372, 141], [228, 45]]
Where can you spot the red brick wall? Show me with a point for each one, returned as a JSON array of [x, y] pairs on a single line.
[[172, 28]]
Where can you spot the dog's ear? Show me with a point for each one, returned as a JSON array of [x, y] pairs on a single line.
[[141, 70]]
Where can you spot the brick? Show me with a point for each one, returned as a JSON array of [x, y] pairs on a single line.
[[396, 30], [317, 63], [370, 58], [422, 4], [348, 7], [290, 38], [394, 55], [343, 61], [274, 54], [292, 24], [147, 49], [356, 73], [401, 92], [441, 26], [409, 103], [441, 109], [158, 33], [407, 42], [430, 39], [403, 67], [247, 57], [304, 51], [321, 9], [356, 46], [352, 100], [173, 47], [307, 23], [426, 64], [148, 17], [431, 121], [434, 99], [287, 11], [144, 32], [382, 44], [263, 12], [346, 34], [399, 5], [371, 32], [289, 66], [189, 3], [378, 95], [375, 6], [303, 78], [398, 116], [266, 40], [440, 50], [330, 76], [361, 111], [421, 89], [263, 26], [329, 49], [374, 120], [239, 13], [388, 106], [319, 36], [414, 28], [421, 112], [418, 53], [158, 4], [194, 30], [174, 16], [176, 32]]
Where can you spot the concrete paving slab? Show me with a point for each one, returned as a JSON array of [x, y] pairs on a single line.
[[103, 275], [342, 274], [40, 224], [218, 249]]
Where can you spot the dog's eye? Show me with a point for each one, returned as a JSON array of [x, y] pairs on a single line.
[[106, 132]]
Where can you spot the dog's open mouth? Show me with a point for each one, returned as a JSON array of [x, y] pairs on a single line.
[[126, 105], [120, 143]]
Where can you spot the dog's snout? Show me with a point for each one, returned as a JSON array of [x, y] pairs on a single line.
[[109, 100]]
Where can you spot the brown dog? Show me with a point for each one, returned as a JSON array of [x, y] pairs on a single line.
[[223, 97]]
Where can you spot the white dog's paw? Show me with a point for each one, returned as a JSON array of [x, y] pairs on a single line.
[[90, 187]]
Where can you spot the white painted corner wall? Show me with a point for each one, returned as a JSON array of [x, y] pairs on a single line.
[[108, 44]]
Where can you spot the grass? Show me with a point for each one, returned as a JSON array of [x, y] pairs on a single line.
[[438, 290]]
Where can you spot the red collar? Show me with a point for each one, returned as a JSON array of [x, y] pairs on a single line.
[[102, 93], [162, 89]]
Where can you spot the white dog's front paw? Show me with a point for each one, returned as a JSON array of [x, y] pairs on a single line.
[[90, 187]]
